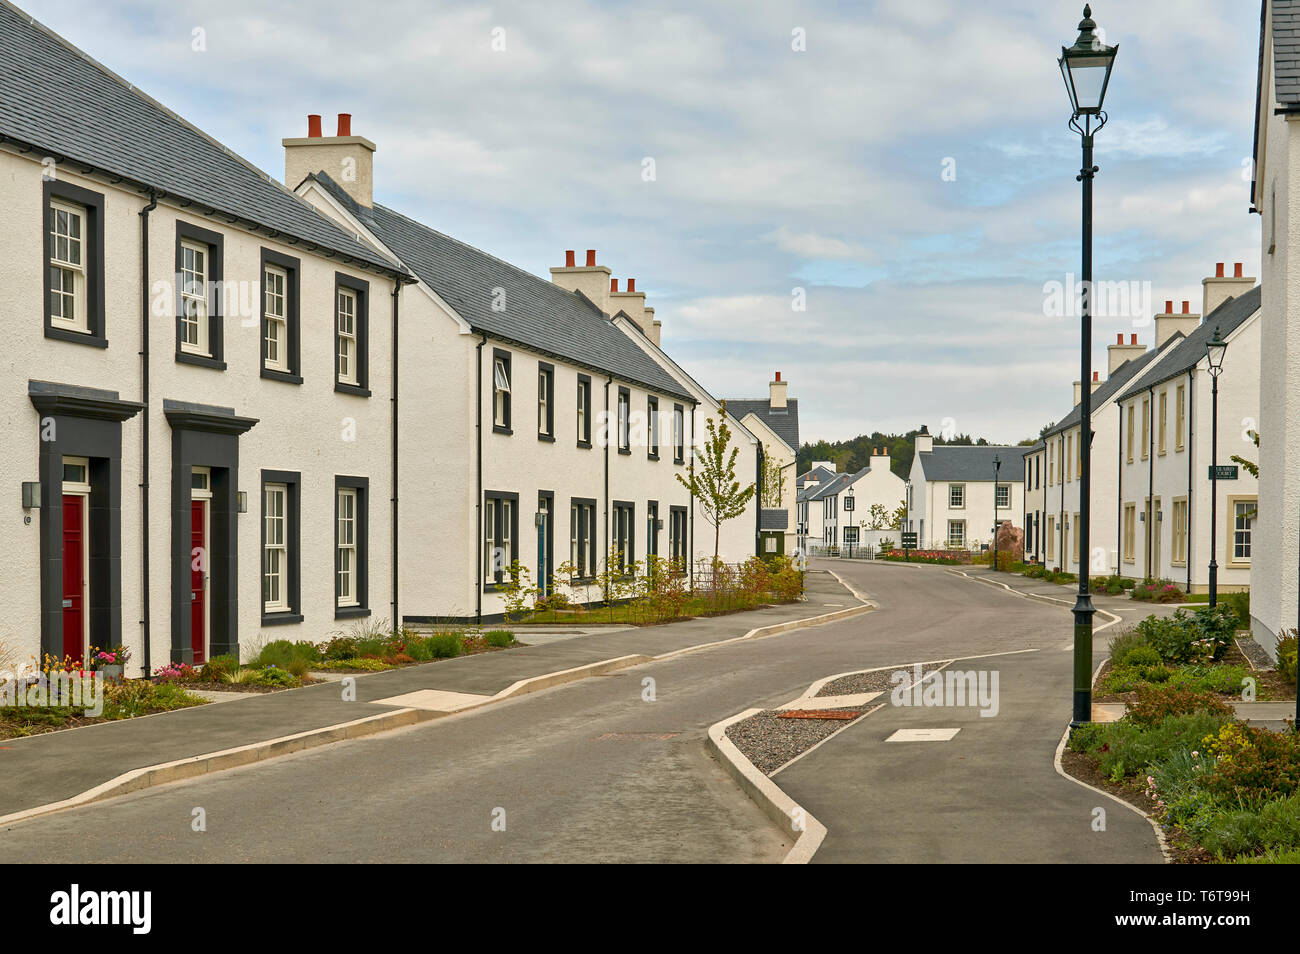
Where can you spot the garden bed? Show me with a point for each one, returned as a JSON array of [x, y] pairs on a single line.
[[128, 700]]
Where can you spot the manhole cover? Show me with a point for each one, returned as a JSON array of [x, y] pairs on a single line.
[[844, 714], [637, 736]]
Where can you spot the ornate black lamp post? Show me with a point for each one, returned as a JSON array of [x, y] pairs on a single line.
[[1086, 69], [1215, 349], [907, 518], [997, 469]]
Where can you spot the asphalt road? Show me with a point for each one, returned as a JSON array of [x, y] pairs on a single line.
[[592, 771]]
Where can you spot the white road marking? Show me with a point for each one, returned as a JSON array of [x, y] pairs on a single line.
[[923, 735]]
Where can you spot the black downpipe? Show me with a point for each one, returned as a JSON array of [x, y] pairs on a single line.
[[1119, 490], [609, 379], [144, 399], [1151, 475], [690, 556], [478, 481], [397, 296], [758, 509], [1190, 406]]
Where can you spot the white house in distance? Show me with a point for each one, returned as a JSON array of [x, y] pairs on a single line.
[[198, 401], [775, 423], [1274, 591], [955, 498], [1035, 501], [1163, 445], [809, 512], [1128, 363], [847, 499]]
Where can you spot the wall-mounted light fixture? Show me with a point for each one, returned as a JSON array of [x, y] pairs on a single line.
[[241, 501], [31, 494], [539, 519]]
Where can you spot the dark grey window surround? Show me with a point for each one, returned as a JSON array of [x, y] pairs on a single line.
[[623, 421], [362, 529], [548, 371], [652, 529], [652, 427], [205, 436], [584, 435], [679, 450], [504, 356], [292, 316], [215, 242], [500, 577], [677, 543], [93, 258], [628, 556], [584, 525], [362, 289], [293, 546], [82, 422]]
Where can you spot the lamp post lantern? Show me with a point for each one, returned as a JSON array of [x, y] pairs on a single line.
[[997, 469], [1085, 67], [1215, 349]]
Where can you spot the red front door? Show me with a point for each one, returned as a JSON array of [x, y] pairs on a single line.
[[74, 575], [198, 575]]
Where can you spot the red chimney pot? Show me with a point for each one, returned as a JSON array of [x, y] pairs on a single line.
[[778, 375], [1236, 270], [591, 258], [631, 284], [1169, 306], [1119, 338], [569, 258], [1218, 269], [313, 126], [1096, 375], [1187, 308], [345, 124], [613, 284], [1133, 339]]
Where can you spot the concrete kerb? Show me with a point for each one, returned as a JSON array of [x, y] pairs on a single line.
[[780, 807], [194, 766]]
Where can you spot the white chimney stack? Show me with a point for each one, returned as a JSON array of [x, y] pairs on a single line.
[[345, 158], [590, 279], [776, 392], [1170, 322], [924, 443], [1220, 287], [1120, 352]]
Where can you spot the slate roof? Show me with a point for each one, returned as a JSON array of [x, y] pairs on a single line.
[[822, 473], [973, 462], [539, 314], [57, 99], [1122, 376], [773, 519], [831, 487], [1286, 51], [1185, 355], [784, 423]]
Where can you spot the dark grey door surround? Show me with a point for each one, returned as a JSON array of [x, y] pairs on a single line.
[[206, 436], [81, 422]]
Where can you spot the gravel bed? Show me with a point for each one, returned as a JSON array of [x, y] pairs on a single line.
[[878, 681], [770, 742], [1254, 652]]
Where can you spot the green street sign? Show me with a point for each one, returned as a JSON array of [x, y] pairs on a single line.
[[909, 541], [1223, 472]]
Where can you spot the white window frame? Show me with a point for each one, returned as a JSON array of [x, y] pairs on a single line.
[[1001, 491], [194, 295], [544, 401], [957, 493], [1236, 506], [345, 320], [679, 435], [958, 539], [275, 324], [500, 392], [345, 559], [69, 265], [275, 548]]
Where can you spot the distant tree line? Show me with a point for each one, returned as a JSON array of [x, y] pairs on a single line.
[[854, 454]]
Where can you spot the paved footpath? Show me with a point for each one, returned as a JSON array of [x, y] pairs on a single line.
[[42, 769]]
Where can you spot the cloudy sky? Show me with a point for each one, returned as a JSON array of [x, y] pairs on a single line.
[[909, 168]]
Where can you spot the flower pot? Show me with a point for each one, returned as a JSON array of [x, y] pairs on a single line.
[[111, 673]]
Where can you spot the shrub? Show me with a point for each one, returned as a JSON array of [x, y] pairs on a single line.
[[373, 646], [176, 672], [1157, 591], [1272, 825], [137, 697], [1157, 703], [219, 668], [279, 678], [281, 652], [341, 647], [1254, 761], [1125, 748], [1240, 603], [1222, 678], [444, 645], [1142, 655], [400, 659], [499, 638], [366, 665], [1124, 643], [1287, 655], [1201, 636]]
